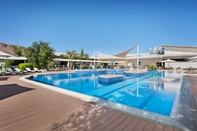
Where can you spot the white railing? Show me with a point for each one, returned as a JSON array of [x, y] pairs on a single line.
[[181, 64]]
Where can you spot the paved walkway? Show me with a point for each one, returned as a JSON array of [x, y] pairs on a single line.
[[26, 107]]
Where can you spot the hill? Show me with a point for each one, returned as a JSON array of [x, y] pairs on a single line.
[[8, 48]]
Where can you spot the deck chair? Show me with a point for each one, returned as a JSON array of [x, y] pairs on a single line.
[[29, 70], [18, 70], [7, 73], [36, 69], [10, 70]]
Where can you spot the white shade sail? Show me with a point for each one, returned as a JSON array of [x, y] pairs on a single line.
[[2, 54], [168, 61], [191, 58], [103, 56], [13, 58]]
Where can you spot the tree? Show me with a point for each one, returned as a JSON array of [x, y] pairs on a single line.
[[8, 63], [74, 55], [63, 56], [86, 56], [81, 54], [69, 54], [39, 54], [18, 51]]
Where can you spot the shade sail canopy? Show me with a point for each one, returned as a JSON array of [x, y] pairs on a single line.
[[2, 54], [118, 57], [108, 57], [168, 61], [13, 58], [124, 54], [191, 58]]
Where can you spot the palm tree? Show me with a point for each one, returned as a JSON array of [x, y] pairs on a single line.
[[73, 54], [69, 54]]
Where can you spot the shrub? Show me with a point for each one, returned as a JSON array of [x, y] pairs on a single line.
[[52, 64], [152, 67], [23, 66], [8, 63]]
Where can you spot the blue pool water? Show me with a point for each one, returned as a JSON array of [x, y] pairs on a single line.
[[152, 91]]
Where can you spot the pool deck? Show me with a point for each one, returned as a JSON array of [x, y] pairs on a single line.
[[28, 107]]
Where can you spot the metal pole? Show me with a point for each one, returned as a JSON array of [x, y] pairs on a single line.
[[137, 56], [59, 65], [68, 65], [94, 60]]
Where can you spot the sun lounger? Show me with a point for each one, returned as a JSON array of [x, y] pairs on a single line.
[[36, 69], [18, 70], [29, 70], [7, 73], [10, 70]]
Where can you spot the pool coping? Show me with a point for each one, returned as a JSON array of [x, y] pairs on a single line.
[[120, 107]]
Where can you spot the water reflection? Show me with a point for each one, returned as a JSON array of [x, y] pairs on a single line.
[[166, 81], [158, 86], [137, 86]]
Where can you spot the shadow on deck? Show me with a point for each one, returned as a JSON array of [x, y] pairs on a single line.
[[10, 90]]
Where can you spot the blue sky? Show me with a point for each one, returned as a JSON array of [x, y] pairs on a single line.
[[107, 26]]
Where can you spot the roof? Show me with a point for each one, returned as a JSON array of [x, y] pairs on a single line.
[[13, 58], [59, 53], [76, 60], [168, 54], [180, 48], [3, 54]]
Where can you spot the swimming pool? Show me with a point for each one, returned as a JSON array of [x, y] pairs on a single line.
[[152, 91]]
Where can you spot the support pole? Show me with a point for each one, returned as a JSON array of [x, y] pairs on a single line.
[[137, 57], [68, 65], [94, 60]]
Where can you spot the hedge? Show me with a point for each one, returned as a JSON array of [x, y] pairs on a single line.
[[23, 66]]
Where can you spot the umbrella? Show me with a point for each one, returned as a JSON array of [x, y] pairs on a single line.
[[168, 61]]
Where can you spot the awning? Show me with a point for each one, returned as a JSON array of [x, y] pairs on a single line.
[[2, 54], [102, 56], [168, 61], [13, 58], [191, 58], [118, 57], [76, 60]]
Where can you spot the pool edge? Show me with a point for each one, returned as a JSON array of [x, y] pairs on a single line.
[[122, 108]]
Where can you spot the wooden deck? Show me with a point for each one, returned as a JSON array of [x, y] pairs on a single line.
[[193, 81], [26, 107]]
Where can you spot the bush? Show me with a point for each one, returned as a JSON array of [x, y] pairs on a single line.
[[8, 63], [52, 64], [23, 66], [152, 67]]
